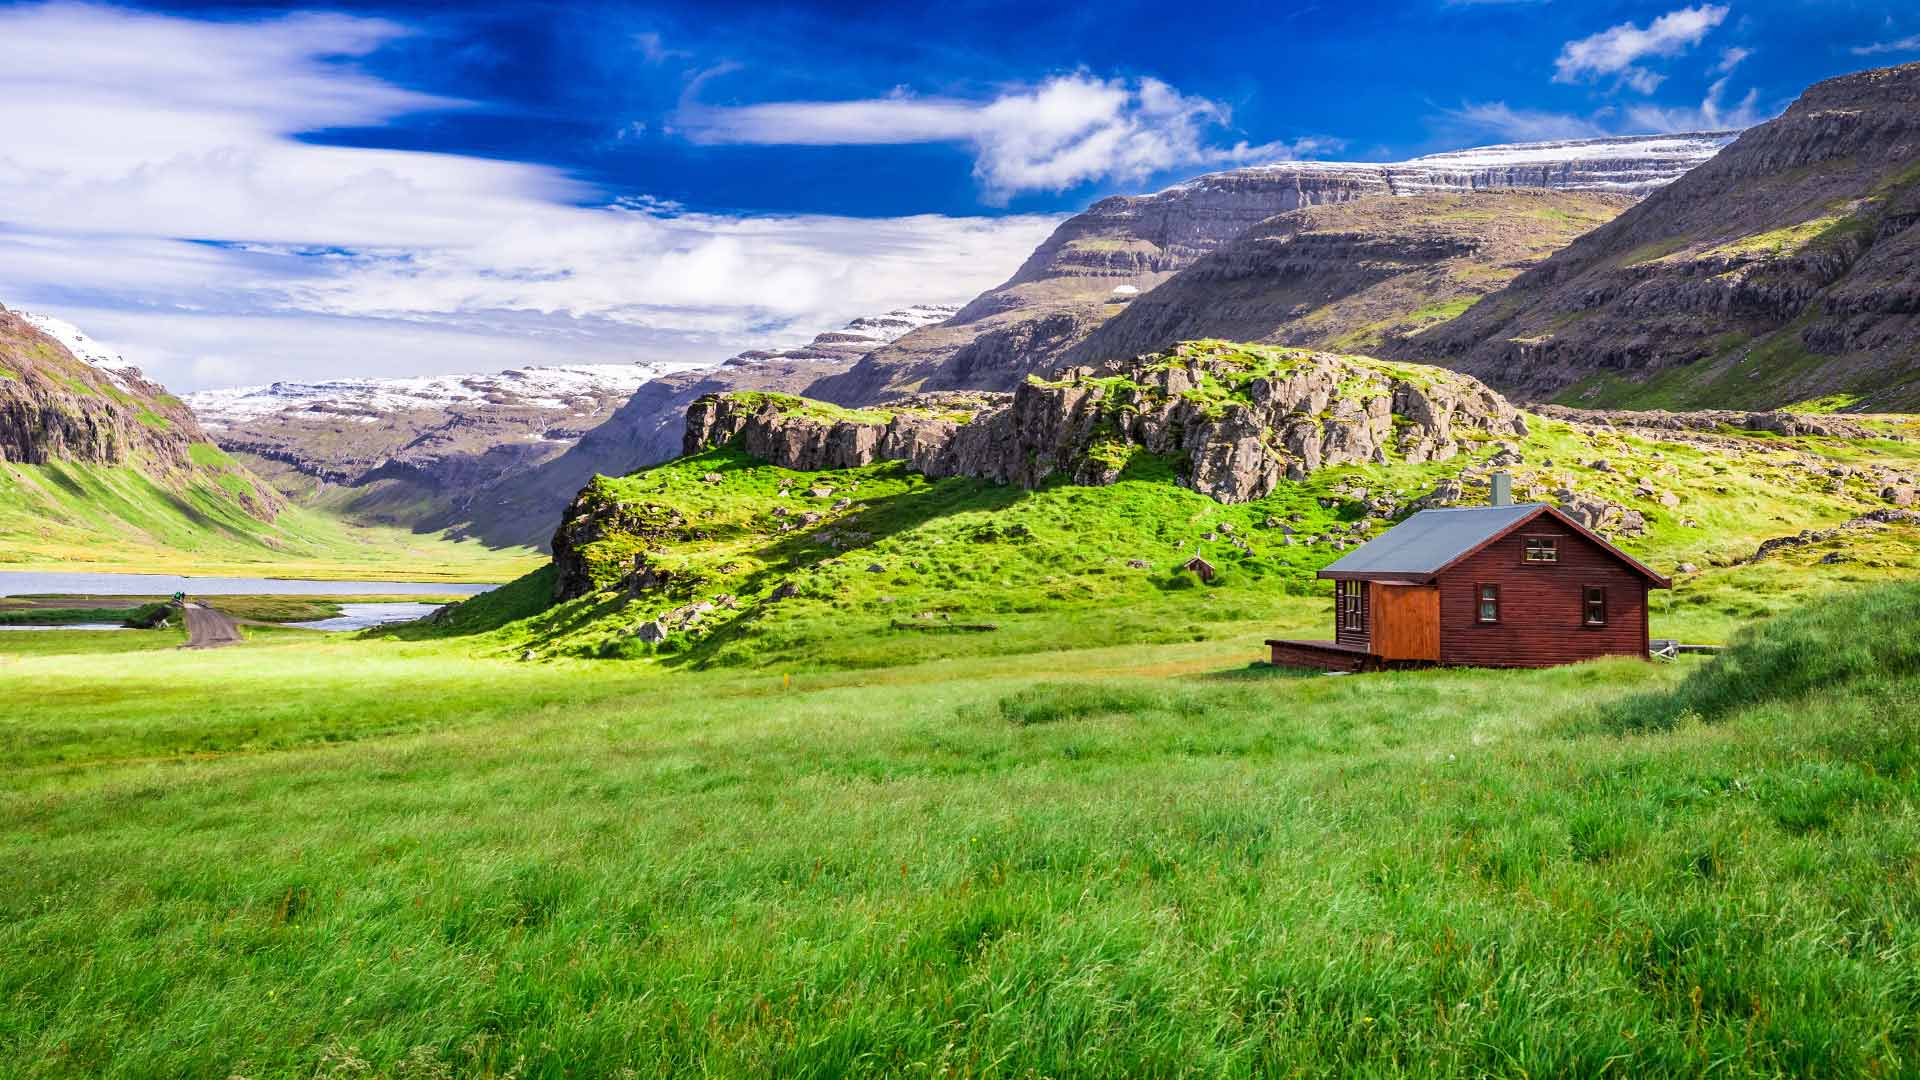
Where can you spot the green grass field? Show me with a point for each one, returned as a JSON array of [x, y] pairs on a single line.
[[374, 857], [977, 794]]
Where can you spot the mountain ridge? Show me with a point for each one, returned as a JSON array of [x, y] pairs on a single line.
[[1067, 286], [1354, 276], [1784, 270]]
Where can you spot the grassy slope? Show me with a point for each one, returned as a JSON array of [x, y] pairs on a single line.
[[73, 516], [1775, 367], [1050, 568], [348, 857]]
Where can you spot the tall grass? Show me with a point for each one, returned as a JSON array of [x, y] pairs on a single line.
[[1067, 864], [1853, 644]]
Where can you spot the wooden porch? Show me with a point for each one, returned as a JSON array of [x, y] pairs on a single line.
[[1334, 656]]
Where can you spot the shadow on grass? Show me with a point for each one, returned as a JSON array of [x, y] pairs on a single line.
[[1258, 671]]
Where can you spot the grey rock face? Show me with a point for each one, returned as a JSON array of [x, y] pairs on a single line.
[[1599, 515], [1709, 420], [1237, 436]]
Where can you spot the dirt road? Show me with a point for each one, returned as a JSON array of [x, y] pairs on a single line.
[[209, 629]]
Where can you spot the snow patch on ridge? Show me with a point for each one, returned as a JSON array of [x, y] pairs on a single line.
[[1634, 164], [560, 387], [84, 348], [576, 388]]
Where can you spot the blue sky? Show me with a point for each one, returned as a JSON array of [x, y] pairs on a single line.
[[236, 193]]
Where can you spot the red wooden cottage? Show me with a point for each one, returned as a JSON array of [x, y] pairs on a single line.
[[1494, 586]]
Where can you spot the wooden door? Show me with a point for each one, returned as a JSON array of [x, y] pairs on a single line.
[[1406, 621]]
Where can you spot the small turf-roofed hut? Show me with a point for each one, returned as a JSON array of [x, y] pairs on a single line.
[[1494, 586]]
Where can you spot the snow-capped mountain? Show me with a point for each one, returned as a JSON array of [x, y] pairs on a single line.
[[855, 339], [1626, 164], [117, 370], [579, 389], [458, 445], [568, 388]]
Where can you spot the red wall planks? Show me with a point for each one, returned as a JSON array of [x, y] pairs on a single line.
[[1541, 615]]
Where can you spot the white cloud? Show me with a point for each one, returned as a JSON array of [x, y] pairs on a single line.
[[150, 166], [1509, 124], [1731, 58], [1497, 119], [1066, 131], [1712, 114], [1617, 51], [1905, 44], [653, 48]]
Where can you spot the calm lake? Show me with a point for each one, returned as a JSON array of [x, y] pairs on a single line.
[[361, 616], [34, 582]]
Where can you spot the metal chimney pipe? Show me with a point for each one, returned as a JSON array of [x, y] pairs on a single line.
[[1502, 489]]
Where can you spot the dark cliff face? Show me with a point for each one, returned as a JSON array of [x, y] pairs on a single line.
[[1065, 290], [1360, 276], [55, 407], [1785, 269]]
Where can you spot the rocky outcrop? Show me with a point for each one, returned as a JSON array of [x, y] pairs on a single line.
[[58, 407], [1784, 269], [1236, 420], [1119, 249], [1807, 537], [797, 434], [1711, 420]]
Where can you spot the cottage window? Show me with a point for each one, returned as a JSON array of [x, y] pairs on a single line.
[[1350, 605], [1489, 603], [1541, 549], [1594, 605]]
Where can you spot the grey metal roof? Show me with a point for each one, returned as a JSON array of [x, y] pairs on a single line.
[[1429, 540]]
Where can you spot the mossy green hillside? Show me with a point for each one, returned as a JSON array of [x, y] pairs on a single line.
[[66, 515], [878, 563]]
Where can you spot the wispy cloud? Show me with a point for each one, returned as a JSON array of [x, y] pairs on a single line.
[[1731, 58], [1059, 134], [1508, 124], [1617, 52], [1712, 114], [128, 132], [1498, 120], [653, 48], [1905, 44]]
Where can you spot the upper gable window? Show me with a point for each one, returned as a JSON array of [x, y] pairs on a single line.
[[1541, 549]]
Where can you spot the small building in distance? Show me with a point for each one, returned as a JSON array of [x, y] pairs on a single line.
[[1493, 586]]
